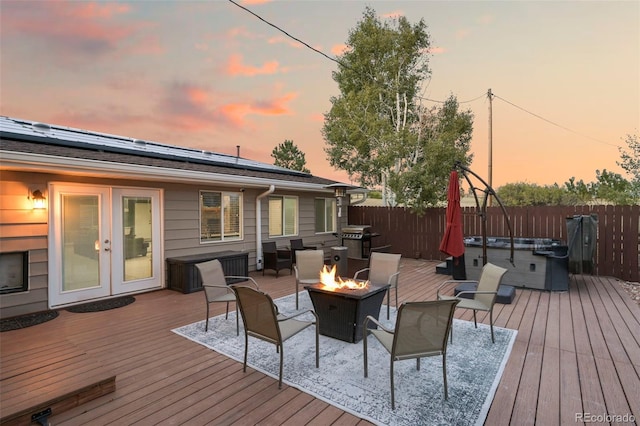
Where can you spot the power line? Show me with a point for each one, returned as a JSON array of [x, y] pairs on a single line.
[[286, 33], [555, 124]]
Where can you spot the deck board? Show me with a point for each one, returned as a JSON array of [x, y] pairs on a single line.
[[55, 375], [576, 351]]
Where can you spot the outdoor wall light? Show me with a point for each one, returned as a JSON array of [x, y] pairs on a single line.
[[339, 190], [39, 201]]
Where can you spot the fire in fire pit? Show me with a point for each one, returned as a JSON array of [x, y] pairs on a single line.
[[328, 280]]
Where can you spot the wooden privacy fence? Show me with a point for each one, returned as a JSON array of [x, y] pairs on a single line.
[[617, 246]]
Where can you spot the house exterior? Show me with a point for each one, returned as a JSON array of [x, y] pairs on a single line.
[[88, 216]]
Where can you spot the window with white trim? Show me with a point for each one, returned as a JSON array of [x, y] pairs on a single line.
[[283, 216], [220, 216], [325, 209]]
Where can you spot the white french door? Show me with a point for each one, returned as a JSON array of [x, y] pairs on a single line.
[[104, 242]]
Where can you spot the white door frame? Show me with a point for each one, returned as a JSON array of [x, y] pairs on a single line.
[[110, 262], [118, 284]]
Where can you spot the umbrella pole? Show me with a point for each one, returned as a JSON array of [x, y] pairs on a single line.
[[483, 210]]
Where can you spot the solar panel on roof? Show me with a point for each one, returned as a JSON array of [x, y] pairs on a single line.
[[68, 136]]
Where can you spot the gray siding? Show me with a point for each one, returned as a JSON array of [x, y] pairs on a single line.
[[25, 229]]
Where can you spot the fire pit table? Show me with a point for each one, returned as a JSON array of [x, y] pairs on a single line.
[[342, 311]]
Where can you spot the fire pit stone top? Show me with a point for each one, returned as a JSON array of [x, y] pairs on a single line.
[[348, 292]]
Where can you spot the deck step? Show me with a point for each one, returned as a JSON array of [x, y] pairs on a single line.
[[445, 268], [55, 377]]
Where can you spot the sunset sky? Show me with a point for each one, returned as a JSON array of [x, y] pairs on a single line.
[[208, 75]]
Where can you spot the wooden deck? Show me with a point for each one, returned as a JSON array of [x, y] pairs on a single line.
[[576, 352]]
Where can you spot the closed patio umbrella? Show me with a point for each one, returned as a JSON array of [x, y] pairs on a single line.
[[452, 242]]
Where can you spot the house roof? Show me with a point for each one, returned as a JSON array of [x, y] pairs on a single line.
[[28, 145]]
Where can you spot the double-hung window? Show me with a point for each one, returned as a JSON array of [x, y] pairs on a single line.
[[283, 216], [325, 209], [220, 216]]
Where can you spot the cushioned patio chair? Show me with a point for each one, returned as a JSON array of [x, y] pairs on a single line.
[[297, 245], [484, 297], [422, 329], [384, 268], [308, 268], [262, 321], [216, 290], [275, 258]]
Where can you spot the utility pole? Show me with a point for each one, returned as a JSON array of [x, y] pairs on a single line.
[[490, 96]]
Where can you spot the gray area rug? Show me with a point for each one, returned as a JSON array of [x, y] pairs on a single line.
[[474, 368]]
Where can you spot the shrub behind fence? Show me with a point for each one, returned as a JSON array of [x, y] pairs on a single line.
[[618, 240]]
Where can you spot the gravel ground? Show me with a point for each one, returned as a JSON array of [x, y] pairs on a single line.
[[632, 289]]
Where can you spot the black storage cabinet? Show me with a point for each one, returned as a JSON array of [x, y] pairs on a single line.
[[183, 275]]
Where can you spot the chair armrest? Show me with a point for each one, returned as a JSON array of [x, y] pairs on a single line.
[[376, 322], [255, 284], [297, 314], [226, 287], [284, 252], [449, 282], [394, 277], [476, 292], [355, 276]]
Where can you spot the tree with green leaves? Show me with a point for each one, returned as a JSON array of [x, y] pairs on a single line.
[[612, 187], [631, 162], [443, 138], [377, 130], [288, 155], [609, 188], [531, 194]]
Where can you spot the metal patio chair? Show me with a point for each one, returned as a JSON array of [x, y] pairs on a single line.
[[307, 269], [384, 268], [262, 321], [421, 330], [484, 297], [216, 290]]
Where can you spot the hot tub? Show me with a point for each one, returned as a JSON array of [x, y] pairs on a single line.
[[538, 263]]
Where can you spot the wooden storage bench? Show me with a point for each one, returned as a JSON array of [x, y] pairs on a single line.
[[183, 276]]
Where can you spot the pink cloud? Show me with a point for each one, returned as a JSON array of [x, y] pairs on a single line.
[[111, 117], [187, 106], [193, 108], [339, 49], [236, 67], [71, 28], [237, 112], [317, 117], [436, 50], [239, 32], [393, 15], [284, 40], [94, 10]]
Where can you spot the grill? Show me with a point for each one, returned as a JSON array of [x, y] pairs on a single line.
[[357, 240]]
